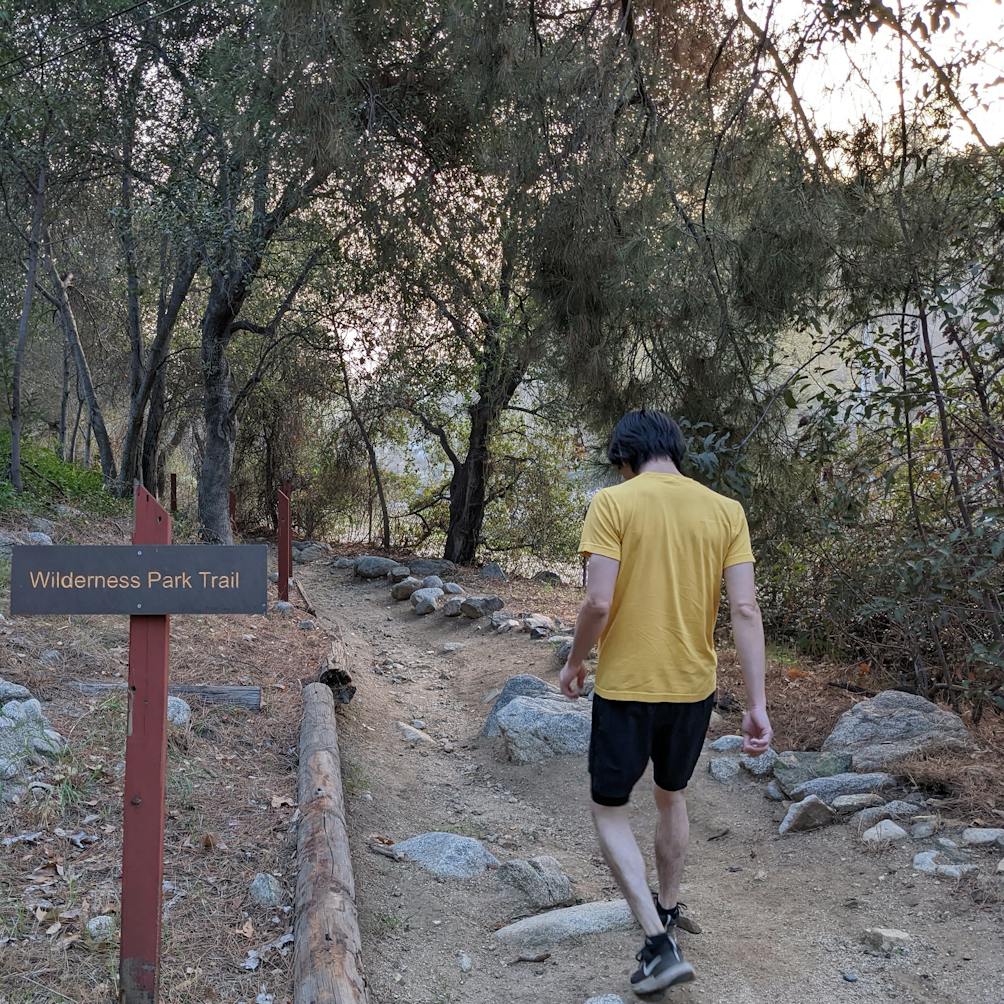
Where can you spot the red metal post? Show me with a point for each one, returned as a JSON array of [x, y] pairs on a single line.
[[284, 546], [145, 772], [174, 492]]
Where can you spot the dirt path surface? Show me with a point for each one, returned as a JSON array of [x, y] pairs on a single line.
[[782, 917]]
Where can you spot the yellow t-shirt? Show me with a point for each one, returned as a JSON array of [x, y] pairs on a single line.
[[673, 538]]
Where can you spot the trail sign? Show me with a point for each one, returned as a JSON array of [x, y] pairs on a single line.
[[148, 580], [134, 579]]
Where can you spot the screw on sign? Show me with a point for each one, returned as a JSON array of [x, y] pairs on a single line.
[[149, 580]]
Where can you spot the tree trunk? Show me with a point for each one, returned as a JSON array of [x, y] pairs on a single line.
[[468, 490], [22, 330], [64, 401], [154, 427], [97, 423]]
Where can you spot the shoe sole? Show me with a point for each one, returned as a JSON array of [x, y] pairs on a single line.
[[682, 972]]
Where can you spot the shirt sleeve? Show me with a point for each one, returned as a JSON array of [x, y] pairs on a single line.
[[740, 549], [601, 533]]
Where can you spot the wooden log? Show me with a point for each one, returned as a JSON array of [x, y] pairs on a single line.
[[311, 609], [334, 671], [243, 697], [327, 965]]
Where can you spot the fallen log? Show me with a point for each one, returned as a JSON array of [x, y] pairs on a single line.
[[334, 673], [327, 966], [244, 697]]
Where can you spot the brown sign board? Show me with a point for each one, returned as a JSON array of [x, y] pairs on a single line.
[[139, 579]]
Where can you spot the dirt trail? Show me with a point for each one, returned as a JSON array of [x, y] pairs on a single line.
[[782, 918]]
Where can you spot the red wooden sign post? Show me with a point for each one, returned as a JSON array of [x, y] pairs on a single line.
[[146, 768], [284, 545]]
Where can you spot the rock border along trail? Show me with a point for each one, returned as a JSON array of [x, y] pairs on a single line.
[[784, 917]]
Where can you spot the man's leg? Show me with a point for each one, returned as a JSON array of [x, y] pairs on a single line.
[[672, 834], [620, 849]]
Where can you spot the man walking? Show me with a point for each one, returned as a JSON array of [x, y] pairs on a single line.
[[658, 546]]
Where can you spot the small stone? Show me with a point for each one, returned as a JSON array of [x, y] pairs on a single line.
[[307, 625], [606, 999], [759, 766], [101, 930], [845, 804], [273, 577], [432, 582], [727, 744], [982, 836], [452, 589], [850, 976], [884, 939], [890, 810], [452, 607], [494, 572], [724, 768], [1000, 867], [923, 829], [42, 525], [886, 832], [480, 606], [773, 792], [282, 607], [415, 736], [946, 843], [403, 589], [51, 657], [450, 647], [399, 573], [507, 625], [464, 961], [538, 634], [548, 578], [179, 712], [808, 814], [417, 723], [38, 538], [426, 600], [265, 890]]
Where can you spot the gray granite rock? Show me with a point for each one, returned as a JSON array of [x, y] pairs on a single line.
[[540, 879], [494, 572], [982, 836], [546, 929], [773, 792], [37, 538], [370, 567], [759, 766], [480, 606], [12, 691], [101, 930], [795, 767], [535, 729], [179, 712], [808, 814], [453, 589], [523, 685], [885, 832], [432, 582], [432, 566], [448, 855], [451, 608], [724, 768], [265, 891], [866, 818], [844, 805], [893, 725], [548, 578], [936, 864], [426, 600], [828, 788], [727, 744], [399, 573], [402, 590]]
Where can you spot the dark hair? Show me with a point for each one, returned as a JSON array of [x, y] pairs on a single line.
[[643, 435]]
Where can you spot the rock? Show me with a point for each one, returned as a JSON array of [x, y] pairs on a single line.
[[538, 634], [946, 844], [399, 573], [10, 765], [448, 855], [606, 999], [537, 622], [282, 607], [49, 742], [449, 647], [884, 939], [727, 744], [432, 566], [452, 607], [464, 961], [507, 625], [773, 792], [344, 562], [494, 572], [829, 788], [523, 685], [307, 625], [402, 590], [540, 879], [535, 729], [886, 832], [370, 567], [432, 582], [979, 836], [309, 552], [179, 712], [51, 657], [724, 768], [548, 578], [273, 577], [426, 600], [849, 976], [564, 651], [22, 711], [545, 929], [453, 589], [101, 930], [759, 766], [12, 692], [417, 723], [891, 810], [42, 525], [265, 891], [893, 725], [38, 538], [480, 606], [67, 511], [794, 767], [414, 735], [923, 829], [844, 805], [808, 814], [1000, 867]]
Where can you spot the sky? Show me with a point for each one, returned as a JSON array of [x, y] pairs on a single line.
[[839, 95]]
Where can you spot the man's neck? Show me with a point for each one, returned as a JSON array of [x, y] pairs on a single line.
[[659, 465]]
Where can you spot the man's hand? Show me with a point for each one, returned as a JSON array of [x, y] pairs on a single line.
[[572, 679], [757, 732]]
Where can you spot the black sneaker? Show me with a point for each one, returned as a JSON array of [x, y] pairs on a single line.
[[676, 917], [661, 965]]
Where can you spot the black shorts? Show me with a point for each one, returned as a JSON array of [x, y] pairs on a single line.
[[627, 734]]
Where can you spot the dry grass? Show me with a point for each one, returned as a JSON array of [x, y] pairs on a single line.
[[231, 792]]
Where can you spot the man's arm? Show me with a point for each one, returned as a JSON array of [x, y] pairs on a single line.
[[747, 630], [601, 576]]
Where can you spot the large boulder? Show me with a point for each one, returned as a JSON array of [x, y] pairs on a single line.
[[523, 685], [480, 606], [308, 551], [893, 725], [546, 929], [432, 566], [535, 729], [829, 788], [371, 567], [793, 767], [447, 855], [540, 879]]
